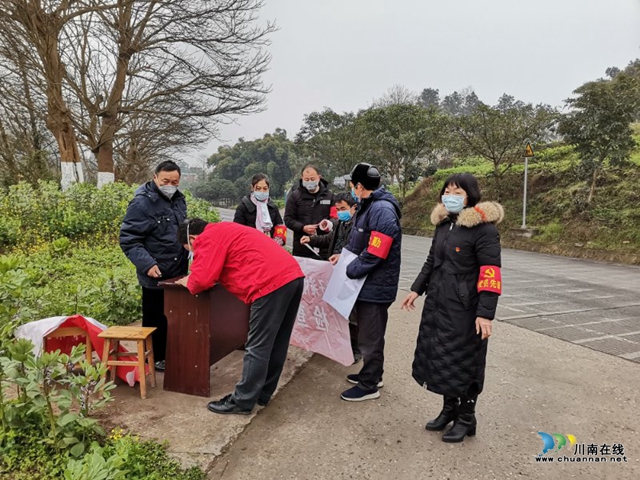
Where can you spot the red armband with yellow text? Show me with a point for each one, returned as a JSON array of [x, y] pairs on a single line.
[[333, 212], [379, 245], [281, 232], [490, 279]]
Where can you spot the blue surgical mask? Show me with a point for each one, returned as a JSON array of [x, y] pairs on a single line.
[[453, 203], [261, 196], [355, 197], [344, 216]]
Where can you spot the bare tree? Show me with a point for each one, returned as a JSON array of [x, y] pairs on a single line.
[[26, 147], [396, 95], [190, 64]]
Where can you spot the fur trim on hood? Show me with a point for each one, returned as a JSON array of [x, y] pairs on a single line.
[[484, 212]]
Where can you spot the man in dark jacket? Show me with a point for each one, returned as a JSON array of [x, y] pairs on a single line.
[[376, 237], [149, 238], [306, 207]]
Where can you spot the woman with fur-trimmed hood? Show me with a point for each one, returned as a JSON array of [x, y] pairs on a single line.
[[462, 280]]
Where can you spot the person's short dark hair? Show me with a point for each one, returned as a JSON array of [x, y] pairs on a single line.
[[259, 177], [310, 165], [344, 197], [168, 166], [468, 183], [195, 226]]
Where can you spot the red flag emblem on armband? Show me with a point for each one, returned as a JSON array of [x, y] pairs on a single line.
[[379, 245], [490, 279], [281, 232]]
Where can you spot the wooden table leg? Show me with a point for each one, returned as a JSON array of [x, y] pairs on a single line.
[[141, 362], [116, 348], [105, 359], [151, 360]]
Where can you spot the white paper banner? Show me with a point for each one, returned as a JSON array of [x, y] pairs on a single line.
[[342, 292]]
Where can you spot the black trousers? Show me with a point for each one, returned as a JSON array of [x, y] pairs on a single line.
[[153, 316], [372, 325], [270, 325], [353, 332]]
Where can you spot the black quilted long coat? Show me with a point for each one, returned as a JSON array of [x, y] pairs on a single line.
[[450, 356]]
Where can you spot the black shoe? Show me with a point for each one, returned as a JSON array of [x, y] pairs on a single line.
[[464, 426], [357, 357], [356, 394], [160, 366], [448, 414], [263, 403], [226, 406], [354, 378]]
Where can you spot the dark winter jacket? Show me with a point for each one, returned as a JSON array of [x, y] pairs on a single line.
[[376, 237], [149, 234], [247, 211], [462, 279], [334, 241], [305, 208]]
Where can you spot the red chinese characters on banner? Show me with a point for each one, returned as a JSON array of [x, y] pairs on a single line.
[[490, 279], [319, 327], [379, 245]]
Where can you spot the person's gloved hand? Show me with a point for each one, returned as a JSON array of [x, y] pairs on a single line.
[[326, 225]]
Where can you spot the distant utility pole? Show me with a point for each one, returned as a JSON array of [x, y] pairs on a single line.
[[528, 153]]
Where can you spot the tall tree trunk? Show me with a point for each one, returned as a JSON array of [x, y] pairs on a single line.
[[109, 124], [45, 28]]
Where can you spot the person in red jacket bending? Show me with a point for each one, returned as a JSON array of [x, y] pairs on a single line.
[[259, 272]]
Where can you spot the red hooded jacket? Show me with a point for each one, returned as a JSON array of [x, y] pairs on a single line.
[[246, 262]]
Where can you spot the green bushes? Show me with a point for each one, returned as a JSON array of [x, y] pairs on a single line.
[[61, 257], [46, 429], [35, 216], [64, 251]]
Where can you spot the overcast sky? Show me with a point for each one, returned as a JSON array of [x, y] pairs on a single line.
[[343, 54]]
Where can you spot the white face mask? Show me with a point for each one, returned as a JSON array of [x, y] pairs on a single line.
[[168, 190]]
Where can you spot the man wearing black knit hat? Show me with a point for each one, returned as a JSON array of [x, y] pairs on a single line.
[[376, 237]]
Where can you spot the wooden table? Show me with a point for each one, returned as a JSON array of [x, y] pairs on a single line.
[[202, 329]]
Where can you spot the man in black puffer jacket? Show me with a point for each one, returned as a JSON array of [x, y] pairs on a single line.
[[306, 207], [149, 238], [376, 237]]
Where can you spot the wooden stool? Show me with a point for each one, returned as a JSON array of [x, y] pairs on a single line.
[[142, 336], [71, 332]]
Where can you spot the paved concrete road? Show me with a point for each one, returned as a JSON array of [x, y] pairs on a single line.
[[534, 383]]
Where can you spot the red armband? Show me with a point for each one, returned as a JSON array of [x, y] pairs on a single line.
[[281, 232], [379, 245], [333, 212], [490, 279]]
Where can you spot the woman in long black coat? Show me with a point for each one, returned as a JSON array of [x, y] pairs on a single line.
[[462, 280]]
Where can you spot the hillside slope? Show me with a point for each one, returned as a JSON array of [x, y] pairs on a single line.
[[557, 209]]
